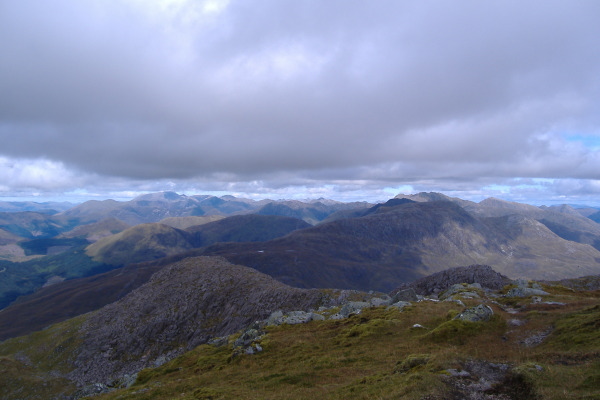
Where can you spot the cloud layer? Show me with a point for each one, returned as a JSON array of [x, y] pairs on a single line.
[[270, 95]]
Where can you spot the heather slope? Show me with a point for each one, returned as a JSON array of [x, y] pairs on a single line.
[[418, 353], [377, 251], [528, 348], [183, 305], [146, 242], [311, 212], [244, 228], [401, 242]]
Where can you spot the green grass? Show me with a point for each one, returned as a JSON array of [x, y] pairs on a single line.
[[33, 366], [377, 354]]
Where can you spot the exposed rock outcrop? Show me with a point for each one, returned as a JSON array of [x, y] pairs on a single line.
[[480, 313], [440, 281], [182, 306]]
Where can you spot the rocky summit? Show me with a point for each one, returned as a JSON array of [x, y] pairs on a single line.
[[203, 328]]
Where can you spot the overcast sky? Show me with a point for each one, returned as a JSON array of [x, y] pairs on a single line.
[[343, 99]]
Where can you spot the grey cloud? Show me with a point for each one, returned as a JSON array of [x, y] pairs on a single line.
[[307, 91]]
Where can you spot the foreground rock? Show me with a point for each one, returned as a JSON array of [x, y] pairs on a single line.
[[182, 306], [480, 313], [436, 283]]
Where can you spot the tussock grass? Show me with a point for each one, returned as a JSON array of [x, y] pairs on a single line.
[[33, 366], [374, 355], [378, 354]]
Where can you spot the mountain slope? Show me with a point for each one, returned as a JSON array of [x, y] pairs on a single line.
[[22, 278], [68, 299], [186, 222], [97, 230], [377, 251], [49, 207], [139, 243], [154, 207], [183, 305], [146, 242], [523, 349], [401, 243], [311, 212], [28, 224], [244, 228], [563, 221]]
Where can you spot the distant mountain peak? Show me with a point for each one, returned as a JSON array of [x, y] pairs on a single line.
[[424, 196], [167, 195]]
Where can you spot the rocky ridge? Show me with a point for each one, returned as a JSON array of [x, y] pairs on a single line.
[[436, 283], [206, 300], [183, 305]]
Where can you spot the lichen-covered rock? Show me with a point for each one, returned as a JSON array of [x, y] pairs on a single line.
[[480, 313], [464, 290], [378, 301], [401, 304], [248, 336], [405, 295], [352, 307], [293, 317], [440, 281], [525, 292], [317, 317], [91, 390]]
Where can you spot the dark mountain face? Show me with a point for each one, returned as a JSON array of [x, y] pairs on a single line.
[[400, 243], [244, 228], [377, 251], [312, 212], [146, 242], [595, 217]]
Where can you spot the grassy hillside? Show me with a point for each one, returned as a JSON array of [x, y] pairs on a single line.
[[186, 222], [97, 230], [379, 354], [139, 243], [528, 350]]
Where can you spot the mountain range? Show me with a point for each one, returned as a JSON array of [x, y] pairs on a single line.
[[304, 244], [108, 294]]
